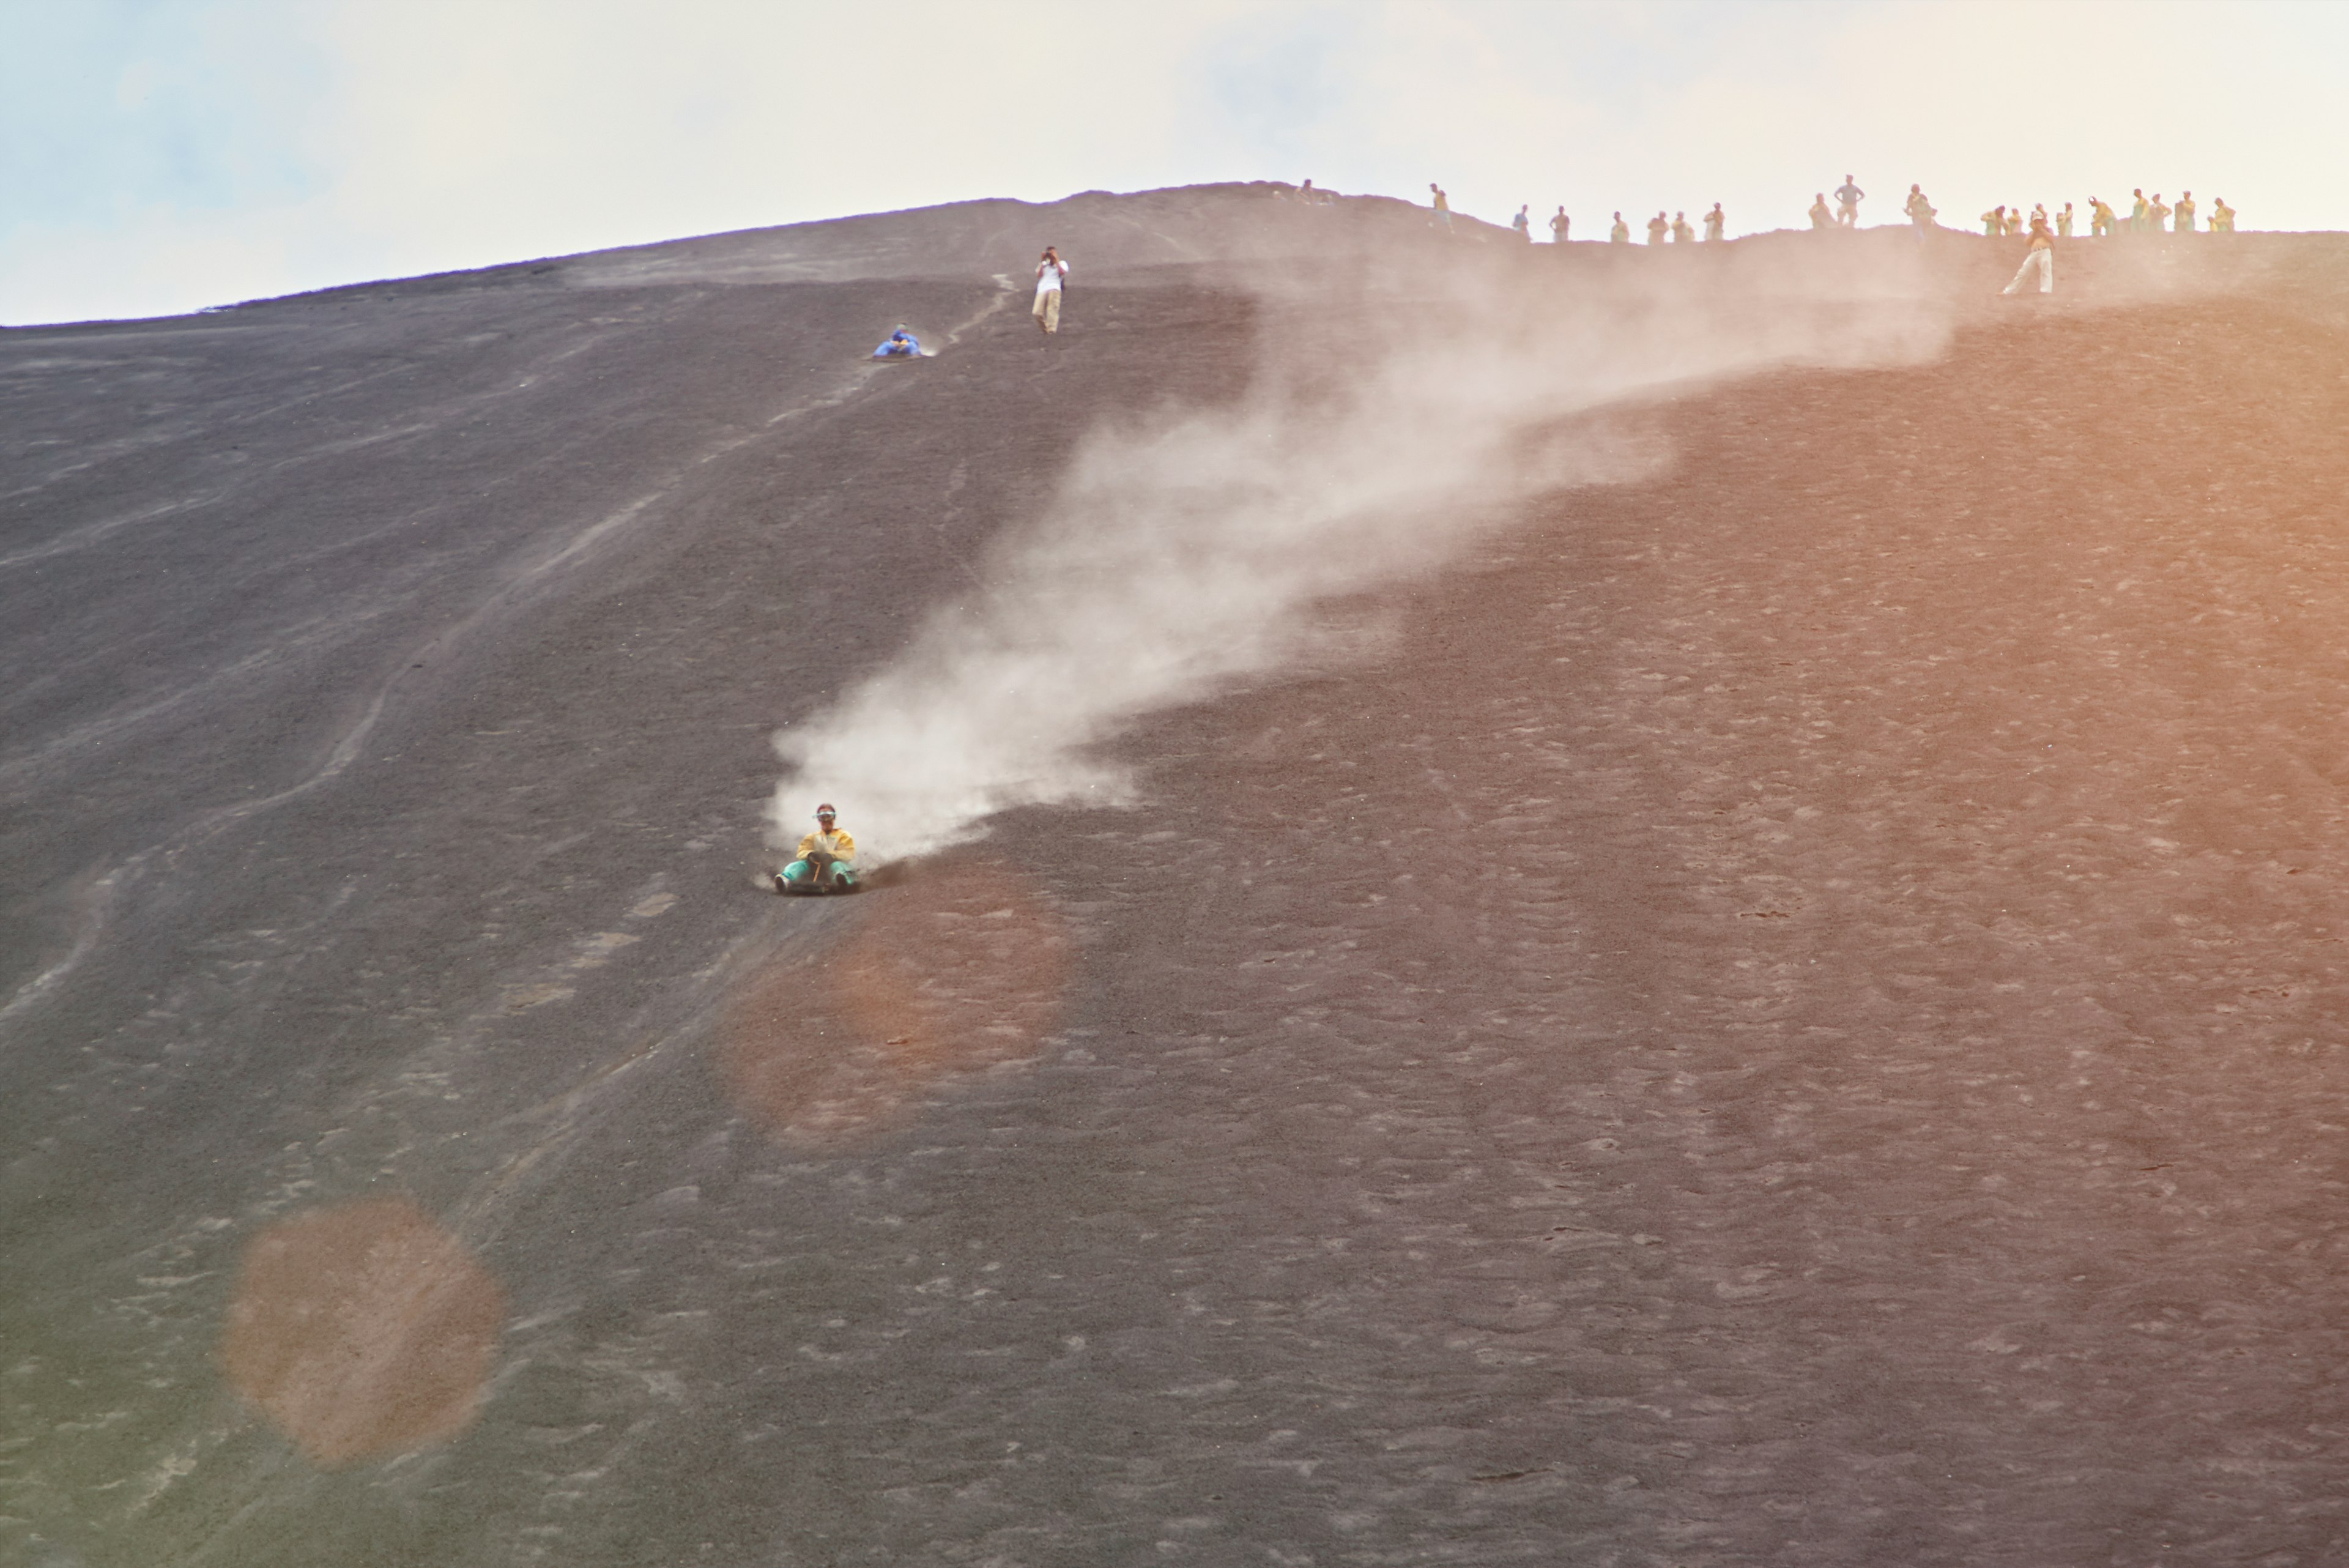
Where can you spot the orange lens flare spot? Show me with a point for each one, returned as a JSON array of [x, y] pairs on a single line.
[[962, 969], [363, 1330]]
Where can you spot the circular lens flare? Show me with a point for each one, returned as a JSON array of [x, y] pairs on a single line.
[[362, 1330], [962, 969]]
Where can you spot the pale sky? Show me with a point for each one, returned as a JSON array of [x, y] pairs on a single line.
[[157, 156]]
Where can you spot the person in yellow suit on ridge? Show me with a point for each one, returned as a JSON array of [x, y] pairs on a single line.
[[2182, 215], [2223, 216]]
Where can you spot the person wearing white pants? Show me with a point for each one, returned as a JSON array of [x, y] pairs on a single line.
[[1049, 271], [2040, 258]]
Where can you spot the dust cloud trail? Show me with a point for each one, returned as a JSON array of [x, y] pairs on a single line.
[[1399, 416]]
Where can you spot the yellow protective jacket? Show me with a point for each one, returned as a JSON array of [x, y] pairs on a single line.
[[837, 844]]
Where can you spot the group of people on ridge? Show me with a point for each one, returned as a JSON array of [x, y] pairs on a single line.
[[2147, 216]]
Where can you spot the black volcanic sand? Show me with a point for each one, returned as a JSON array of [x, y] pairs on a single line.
[[1871, 1094]]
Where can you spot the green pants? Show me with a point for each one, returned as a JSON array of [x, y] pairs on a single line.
[[804, 874]]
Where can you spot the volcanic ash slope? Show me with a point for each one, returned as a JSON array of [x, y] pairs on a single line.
[[1737, 961]]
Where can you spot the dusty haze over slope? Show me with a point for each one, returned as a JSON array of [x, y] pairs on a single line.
[[1397, 414], [1725, 945]]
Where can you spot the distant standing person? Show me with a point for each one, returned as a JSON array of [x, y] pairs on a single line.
[[1443, 207], [2063, 223], [1714, 221], [2156, 213], [2137, 212], [2102, 222], [1919, 212], [1049, 271], [1522, 224], [1658, 227], [1821, 218], [2223, 216], [1620, 234], [2040, 258], [1682, 230], [1558, 227], [2183, 221], [1994, 222], [1848, 197]]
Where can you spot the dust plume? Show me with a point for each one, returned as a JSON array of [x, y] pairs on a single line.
[[1405, 407]]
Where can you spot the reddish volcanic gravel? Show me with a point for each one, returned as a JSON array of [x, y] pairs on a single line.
[[1787, 1009]]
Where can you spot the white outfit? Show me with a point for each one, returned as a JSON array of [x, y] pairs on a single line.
[[1047, 310], [2042, 261]]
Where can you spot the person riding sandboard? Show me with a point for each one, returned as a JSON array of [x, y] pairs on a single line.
[[827, 859]]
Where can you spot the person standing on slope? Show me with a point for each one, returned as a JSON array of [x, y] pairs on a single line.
[[2157, 214], [1848, 198], [1918, 211], [2182, 220], [2040, 258], [1821, 219], [1443, 207], [1620, 234], [1049, 271], [2063, 223], [2137, 212], [2102, 222], [1994, 222], [2223, 216], [1523, 223], [1682, 230], [1558, 227], [1658, 227], [1714, 221]]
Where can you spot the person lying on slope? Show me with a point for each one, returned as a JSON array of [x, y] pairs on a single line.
[[827, 859], [899, 345]]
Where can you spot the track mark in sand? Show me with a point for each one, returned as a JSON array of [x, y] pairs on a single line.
[[89, 533], [1005, 290], [362, 1330], [105, 887], [958, 972], [592, 952], [88, 922], [111, 728]]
